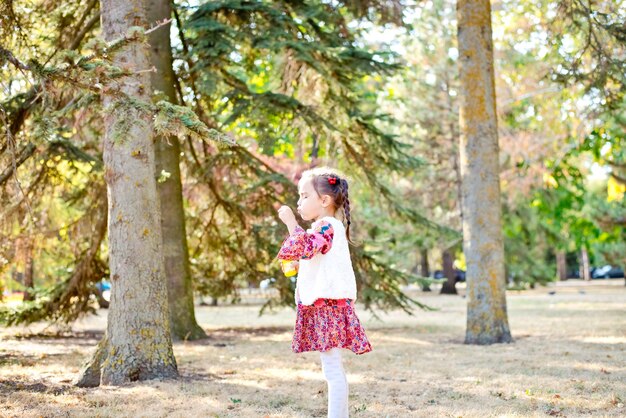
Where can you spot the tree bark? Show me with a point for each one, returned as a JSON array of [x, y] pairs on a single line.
[[584, 265], [176, 254], [561, 265], [449, 286], [29, 280], [89, 377], [424, 267], [487, 320], [138, 344]]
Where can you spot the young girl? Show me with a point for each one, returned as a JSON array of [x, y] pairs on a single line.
[[326, 286]]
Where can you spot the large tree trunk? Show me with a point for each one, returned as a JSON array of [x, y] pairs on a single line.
[[137, 344], [487, 320], [176, 255], [449, 286], [561, 265]]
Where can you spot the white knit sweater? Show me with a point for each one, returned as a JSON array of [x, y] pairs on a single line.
[[328, 275]]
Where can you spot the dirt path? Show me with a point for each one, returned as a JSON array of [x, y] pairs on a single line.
[[568, 359]]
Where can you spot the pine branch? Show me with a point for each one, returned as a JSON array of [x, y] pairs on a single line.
[[91, 23], [24, 154], [6, 55]]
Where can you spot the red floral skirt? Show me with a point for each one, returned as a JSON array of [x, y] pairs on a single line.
[[329, 323]]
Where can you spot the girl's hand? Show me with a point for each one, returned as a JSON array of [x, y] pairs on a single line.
[[286, 215]]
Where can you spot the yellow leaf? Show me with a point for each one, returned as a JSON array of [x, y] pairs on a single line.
[[550, 181], [615, 190]]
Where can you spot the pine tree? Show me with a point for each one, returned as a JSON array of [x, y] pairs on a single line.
[[293, 90], [137, 344]]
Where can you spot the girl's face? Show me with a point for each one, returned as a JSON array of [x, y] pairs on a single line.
[[311, 205]]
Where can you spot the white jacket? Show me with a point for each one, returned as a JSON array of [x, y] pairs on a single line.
[[329, 275]]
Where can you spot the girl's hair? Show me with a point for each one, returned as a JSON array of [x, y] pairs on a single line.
[[327, 181]]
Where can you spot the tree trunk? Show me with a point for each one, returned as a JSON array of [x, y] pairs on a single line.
[[29, 281], [424, 267], [89, 377], [137, 345], [585, 273], [167, 153], [561, 265], [487, 320], [449, 286]]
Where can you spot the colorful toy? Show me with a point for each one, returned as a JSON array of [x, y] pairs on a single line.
[[290, 267]]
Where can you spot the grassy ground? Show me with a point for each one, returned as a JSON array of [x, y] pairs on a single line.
[[568, 359]]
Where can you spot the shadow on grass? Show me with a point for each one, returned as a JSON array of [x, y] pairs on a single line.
[[14, 385], [231, 334], [85, 337]]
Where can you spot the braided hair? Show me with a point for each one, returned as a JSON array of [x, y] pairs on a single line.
[[327, 181], [346, 205]]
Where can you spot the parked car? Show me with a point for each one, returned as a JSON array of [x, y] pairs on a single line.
[[607, 272], [105, 289], [103, 285], [459, 275]]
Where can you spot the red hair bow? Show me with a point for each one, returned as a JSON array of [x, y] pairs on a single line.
[[332, 180]]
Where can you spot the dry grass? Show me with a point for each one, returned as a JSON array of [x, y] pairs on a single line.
[[568, 359]]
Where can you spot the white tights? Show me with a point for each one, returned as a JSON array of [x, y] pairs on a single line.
[[335, 375]]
